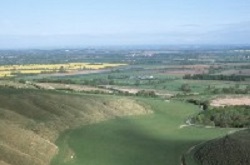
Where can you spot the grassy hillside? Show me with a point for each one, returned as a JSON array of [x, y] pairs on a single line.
[[232, 149], [31, 121], [141, 140]]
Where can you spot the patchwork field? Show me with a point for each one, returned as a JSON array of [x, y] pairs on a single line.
[[13, 70]]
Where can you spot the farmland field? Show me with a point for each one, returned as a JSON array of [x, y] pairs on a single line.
[[149, 139], [12, 70], [227, 101]]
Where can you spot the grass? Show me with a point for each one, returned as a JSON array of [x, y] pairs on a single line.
[[31, 120], [150, 139]]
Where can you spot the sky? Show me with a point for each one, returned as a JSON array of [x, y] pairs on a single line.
[[79, 23]]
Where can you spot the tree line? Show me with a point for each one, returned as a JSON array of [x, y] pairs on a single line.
[[216, 77], [228, 116]]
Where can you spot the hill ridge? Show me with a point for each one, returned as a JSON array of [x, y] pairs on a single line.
[[31, 120]]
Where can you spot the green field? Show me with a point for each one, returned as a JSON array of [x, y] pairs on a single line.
[[165, 83], [149, 139]]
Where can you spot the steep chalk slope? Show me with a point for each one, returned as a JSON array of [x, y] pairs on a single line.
[[31, 121]]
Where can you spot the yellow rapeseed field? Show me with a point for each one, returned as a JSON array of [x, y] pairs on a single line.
[[12, 70]]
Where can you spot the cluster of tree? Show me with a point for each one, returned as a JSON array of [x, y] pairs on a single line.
[[244, 66], [185, 88], [60, 81], [142, 93], [98, 81], [145, 93], [149, 82], [110, 80], [229, 90], [228, 116], [216, 77], [93, 82], [118, 77], [144, 61], [62, 70], [48, 71], [204, 104]]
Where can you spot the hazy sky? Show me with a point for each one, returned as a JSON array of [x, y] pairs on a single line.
[[30, 23]]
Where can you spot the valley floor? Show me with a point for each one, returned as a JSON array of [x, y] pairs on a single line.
[[149, 139]]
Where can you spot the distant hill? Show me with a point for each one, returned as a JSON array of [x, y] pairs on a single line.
[[31, 120], [233, 149]]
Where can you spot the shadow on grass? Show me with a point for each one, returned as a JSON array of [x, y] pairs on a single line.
[[122, 142]]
